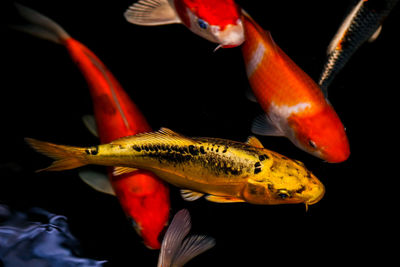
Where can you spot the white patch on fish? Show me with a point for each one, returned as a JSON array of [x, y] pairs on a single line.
[[255, 59]]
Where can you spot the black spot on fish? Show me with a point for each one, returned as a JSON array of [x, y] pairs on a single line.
[[258, 170], [202, 150], [193, 150], [92, 151], [302, 188], [137, 148], [257, 164], [225, 149], [257, 167], [263, 157]]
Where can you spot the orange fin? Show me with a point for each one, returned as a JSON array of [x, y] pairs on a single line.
[[66, 157], [223, 199], [253, 141]]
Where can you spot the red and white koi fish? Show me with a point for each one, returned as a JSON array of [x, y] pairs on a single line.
[[217, 21], [177, 249], [294, 105], [143, 197], [363, 23]]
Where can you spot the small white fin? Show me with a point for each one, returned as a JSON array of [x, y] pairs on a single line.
[[262, 125], [253, 141], [223, 199], [176, 232], [190, 195], [250, 95], [40, 25], [375, 35], [191, 247], [122, 170], [98, 181], [151, 13], [90, 123]]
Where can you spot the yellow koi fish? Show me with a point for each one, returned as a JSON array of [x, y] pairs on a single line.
[[227, 171]]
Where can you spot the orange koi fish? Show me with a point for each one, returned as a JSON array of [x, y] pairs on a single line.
[[294, 105], [143, 197], [217, 21]]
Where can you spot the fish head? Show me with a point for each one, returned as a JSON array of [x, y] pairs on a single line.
[[145, 201], [217, 21], [321, 134], [283, 181]]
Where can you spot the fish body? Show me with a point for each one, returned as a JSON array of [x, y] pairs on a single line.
[[293, 103], [143, 197], [363, 23], [227, 171], [217, 21]]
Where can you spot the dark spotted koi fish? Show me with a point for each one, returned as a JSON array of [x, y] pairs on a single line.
[[227, 171], [363, 23]]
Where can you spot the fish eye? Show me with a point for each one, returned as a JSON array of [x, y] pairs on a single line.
[[202, 24], [312, 144], [283, 194]]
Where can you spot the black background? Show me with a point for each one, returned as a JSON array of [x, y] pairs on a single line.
[[179, 82]]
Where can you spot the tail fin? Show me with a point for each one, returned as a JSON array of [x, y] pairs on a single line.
[[40, 25], [66, 157], [176, 250]]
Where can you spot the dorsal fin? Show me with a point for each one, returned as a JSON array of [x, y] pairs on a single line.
[[164, 134]]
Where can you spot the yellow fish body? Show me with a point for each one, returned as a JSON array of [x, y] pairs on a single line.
[[227, 171]]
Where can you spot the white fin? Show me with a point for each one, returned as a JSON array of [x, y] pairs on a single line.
[[151, 12], [253, 141], [176, 250], [250, 95], [98, 181], [262, 125], [223, 199], [90, 123], [122, 170], [375, 35], [191, 247], [40, 25], [190, 195]]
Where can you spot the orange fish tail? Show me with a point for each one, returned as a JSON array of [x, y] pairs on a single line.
[[66, 157]]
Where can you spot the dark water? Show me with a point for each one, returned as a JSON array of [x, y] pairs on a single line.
[[179, 83]]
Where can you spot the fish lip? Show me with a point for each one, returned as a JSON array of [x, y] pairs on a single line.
[[312, 201], [231, 36]]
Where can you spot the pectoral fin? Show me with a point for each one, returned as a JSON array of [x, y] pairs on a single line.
[[253, 141], [190, 195], [121, 170], [262, 125], [375, 34], [90, 123], [151, 13], [223, 199], [98, 181]]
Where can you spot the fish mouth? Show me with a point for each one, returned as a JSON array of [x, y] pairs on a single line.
[[316, 199], [231, 36]]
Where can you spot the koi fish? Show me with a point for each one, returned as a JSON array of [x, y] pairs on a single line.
[[216, 21], [293, 103], [176, 250], [143, 197], [363, 23], [227, 171]]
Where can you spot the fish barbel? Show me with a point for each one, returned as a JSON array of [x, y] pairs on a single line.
[[227, 171]]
